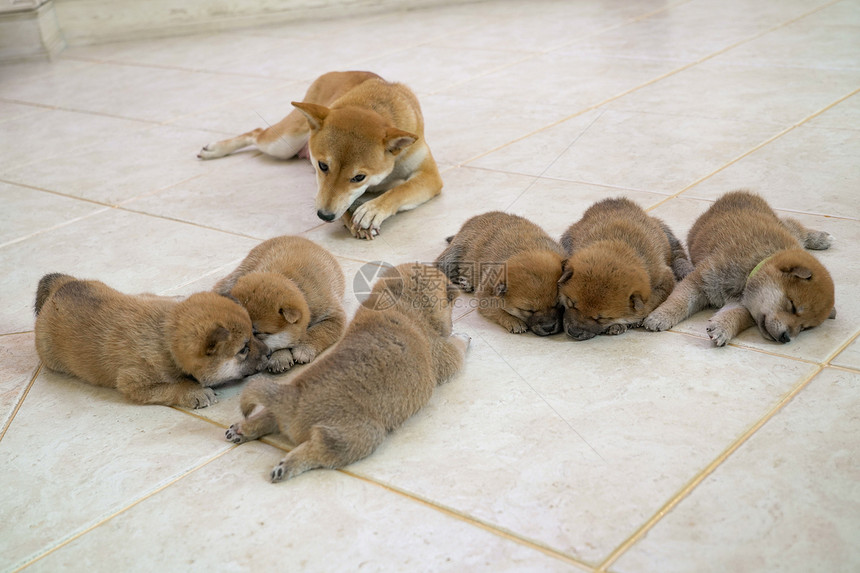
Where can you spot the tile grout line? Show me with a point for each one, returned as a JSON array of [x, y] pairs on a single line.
[[498, 531], [20, 401], [704, 474], [649, 82], [755, 149], [696, 481], [99, 521]]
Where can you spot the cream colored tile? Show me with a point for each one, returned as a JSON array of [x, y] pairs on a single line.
[[715, 89], [322, 521], [130, 252], [125, 164], [21, 73], [144, 93], [9, 110], [785, 501], [18, 363], [564, 77], [419, 235], [818, 343], [844, 115], [641, 151], [27, 211], [258, 196], [808, 170], [827, 39], [849, 357], [55, 133], [574, 445], [76, 454]]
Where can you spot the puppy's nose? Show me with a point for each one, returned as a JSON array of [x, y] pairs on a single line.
[[325, 216], [784, 337], [579, 333]]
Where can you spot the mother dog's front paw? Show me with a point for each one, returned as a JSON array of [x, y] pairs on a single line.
[[368, 218]]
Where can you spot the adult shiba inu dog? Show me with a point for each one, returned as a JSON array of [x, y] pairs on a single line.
[[619, 268], [751, 265], [363, 135], [513, 267], [382, 371], [292, 289], [154, 350]]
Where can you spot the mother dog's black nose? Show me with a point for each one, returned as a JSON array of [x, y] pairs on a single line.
[[325, 216]]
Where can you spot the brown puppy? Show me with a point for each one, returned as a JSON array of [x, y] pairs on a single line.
[[383, 370], [513, 266], [752, 266], [619, 268], [293, 290], [362, 134], [154, 350]]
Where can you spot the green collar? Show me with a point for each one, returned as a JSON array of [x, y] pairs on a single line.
[[758, 267]]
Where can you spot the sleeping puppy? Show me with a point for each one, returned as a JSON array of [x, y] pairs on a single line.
[[384, 370], [293, 290], [752, 266], [619, 268], [513, 267], [154, 350]]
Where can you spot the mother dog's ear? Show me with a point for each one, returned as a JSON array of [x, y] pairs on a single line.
[[315, 113], [396, 140]]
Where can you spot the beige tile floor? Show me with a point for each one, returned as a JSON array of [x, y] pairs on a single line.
[[639, 453]]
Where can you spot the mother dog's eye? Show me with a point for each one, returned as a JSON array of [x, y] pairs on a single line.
[[358, 178], [323, 166]]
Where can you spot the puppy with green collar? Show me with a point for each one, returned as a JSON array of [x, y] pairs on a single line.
[[752, 266]]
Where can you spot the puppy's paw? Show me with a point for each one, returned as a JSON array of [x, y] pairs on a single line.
[[657, 322], [818, 240], [616, 329], [516, 326], [302, 353], [199, 398], [718, 333], [278, 473], [465, 284], [280, 362], [234, 434], [467, 340]]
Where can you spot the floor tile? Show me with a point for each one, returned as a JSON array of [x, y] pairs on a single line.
[[844, 115], [716, 89], [385, 531], [28, 211], [53, 133], [129, 252], [18, 363], [69, 436], [260, 196], [808, 170], [778, 511], [9, 110], [850, 357], [143, 93], [633, 434], [642, 151], [124, 165]]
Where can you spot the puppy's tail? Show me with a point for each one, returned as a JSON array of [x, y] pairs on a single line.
[[266, 393], [48, 285], [681, 265]]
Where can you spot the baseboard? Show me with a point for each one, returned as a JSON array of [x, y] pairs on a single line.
[[30, 33], [97, 21]]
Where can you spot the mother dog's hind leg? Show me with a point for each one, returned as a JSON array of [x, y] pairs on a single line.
[[284, 140]]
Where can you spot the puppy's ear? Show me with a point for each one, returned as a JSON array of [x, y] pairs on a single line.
[[218, 335], [315, 113], [799, 272], [636, 302], [396, 140], [832, 313], [291, 315], [566, 272]]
